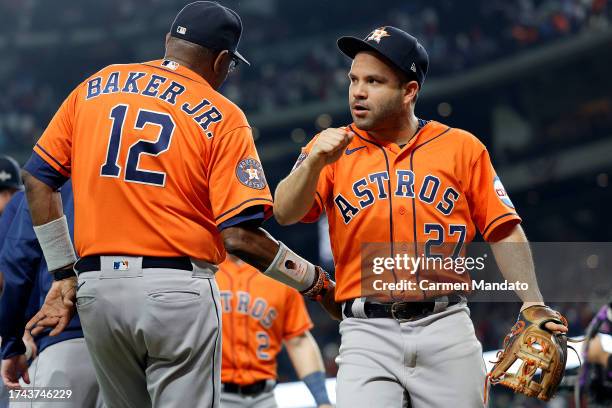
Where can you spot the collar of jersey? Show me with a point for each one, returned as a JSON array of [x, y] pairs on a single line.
[[180, 70], [427, 132]]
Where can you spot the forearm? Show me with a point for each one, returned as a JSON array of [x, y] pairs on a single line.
[[515, 262], [253, 245], [295, 194], [305, 355], [45, 203]]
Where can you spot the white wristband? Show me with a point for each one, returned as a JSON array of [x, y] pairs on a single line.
[[291, 269], [54, 239]]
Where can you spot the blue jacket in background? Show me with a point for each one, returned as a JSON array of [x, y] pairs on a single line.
[[27, 280], [9, 214]]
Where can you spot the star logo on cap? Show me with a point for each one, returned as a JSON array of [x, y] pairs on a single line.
[[4, 176], [378, 34]]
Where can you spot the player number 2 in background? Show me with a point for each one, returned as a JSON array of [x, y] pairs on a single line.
[[132, 173], [263, 343]]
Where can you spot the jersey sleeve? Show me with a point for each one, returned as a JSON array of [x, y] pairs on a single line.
[[324, 186], [55, 144], [490, 205], [235, 176], [297, 320]]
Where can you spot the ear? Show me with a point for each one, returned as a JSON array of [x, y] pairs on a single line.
[[221, 61], [167, 39], [411, 89]]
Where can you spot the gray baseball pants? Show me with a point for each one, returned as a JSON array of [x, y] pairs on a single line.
[[154, 335], [434, 362], [64, 365]]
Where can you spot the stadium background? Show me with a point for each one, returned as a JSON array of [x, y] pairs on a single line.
[[531, 78]]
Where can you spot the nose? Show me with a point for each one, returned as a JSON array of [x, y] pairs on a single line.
[[358, 90]]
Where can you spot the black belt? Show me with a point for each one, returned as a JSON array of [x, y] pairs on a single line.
[[92, 263], [398, 310], [251, 389]]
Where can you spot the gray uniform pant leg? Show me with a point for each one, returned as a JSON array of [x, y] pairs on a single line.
[[153, 334], [263, 400], [65, 365], [432, 362]]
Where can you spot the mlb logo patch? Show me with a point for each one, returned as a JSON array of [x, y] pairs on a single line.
[[170, 64], [121, 265], [181, 30]]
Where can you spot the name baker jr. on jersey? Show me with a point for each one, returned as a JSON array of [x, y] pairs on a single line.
[[141, 83]]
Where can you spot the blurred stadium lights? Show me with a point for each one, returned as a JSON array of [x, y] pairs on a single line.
[[445, 109], [592, 261], [323, 121], [298, 135], [602, 180]]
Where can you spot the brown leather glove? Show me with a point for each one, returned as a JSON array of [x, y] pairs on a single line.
[[537, 348], [323, 291]]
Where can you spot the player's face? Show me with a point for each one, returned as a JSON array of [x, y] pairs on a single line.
[[5, 197], [376, 95]]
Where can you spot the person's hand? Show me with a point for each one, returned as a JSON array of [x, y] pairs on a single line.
[[551, 326], [31, 348], [330, 145], [14, 368], [58, 309], [325, 406]]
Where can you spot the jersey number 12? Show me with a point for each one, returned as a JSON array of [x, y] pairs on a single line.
[[133, 173]]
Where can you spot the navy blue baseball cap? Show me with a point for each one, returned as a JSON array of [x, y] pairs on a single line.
[[10, 176], [400, 48], [211, 25]]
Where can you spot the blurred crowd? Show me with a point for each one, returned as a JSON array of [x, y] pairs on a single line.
[[295, 61]]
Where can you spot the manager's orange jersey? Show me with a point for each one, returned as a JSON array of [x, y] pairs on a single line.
[[158, 161], [259, 313], [439, 188]]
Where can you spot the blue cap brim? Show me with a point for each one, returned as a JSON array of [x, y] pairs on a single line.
[[350, 46]]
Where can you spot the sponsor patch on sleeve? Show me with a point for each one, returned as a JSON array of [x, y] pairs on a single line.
[[501, 192], [250, 173]]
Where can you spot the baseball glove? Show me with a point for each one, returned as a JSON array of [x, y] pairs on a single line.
[[537, 348]]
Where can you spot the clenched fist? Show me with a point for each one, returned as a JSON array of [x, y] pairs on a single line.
[[329, 145]]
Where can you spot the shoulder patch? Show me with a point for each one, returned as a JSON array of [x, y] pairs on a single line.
[[250, 173], [501, 192]]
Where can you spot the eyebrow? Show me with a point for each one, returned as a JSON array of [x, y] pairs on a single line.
[[371, 76]]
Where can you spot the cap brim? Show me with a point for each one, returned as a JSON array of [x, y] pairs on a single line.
[[241, 58], [350, 46]]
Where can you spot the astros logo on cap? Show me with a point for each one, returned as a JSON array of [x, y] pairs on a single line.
[[378, 34], [4, 176]]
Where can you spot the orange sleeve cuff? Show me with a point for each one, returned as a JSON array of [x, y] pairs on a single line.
[[502, 220], [314, 213], [295, 333]]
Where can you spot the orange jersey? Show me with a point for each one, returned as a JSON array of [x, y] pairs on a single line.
[[438, 188], [158, 161], [259, 313]]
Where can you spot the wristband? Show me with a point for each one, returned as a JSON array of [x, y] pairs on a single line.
[[316, 384], [291, 269], [54, 239]]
